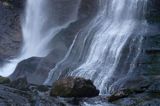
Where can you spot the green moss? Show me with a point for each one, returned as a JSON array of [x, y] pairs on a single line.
[[4, 80], [61, 91]]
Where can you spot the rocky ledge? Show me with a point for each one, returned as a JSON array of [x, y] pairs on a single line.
[[71, 91]]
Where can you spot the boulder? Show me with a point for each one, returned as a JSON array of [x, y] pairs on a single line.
[[26, 68], [74, 87], [20, 83], [4, 80]]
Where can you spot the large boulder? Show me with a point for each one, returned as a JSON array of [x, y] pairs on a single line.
[[74, 87], [26, 68]]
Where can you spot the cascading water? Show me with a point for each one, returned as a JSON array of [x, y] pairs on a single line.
[[40, 25], [96, 50]]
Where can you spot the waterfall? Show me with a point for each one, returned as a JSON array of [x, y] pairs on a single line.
[[40, 24], [96, 52], [97, 49]]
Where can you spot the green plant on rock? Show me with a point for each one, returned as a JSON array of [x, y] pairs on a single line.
[[4, 80]]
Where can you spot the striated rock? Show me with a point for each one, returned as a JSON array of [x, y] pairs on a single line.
[[10, 30], [4, 80], [13, 97], [74, 87]]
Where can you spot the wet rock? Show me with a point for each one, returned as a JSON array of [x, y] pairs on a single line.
[[154, 102], [136, 84], [74, 87], [120, 94], [153, 51], [13, 97], [42, 88], [44, 66], [4, 80], [155, 87], [96, 101], [26, 68], [20, 83], [124, 93]]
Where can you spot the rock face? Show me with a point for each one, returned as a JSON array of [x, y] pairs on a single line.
[[10, 31], [153, 11], [74, 87]]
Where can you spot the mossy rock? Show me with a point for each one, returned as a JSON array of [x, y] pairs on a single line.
[[74, 87], [4, 80]]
